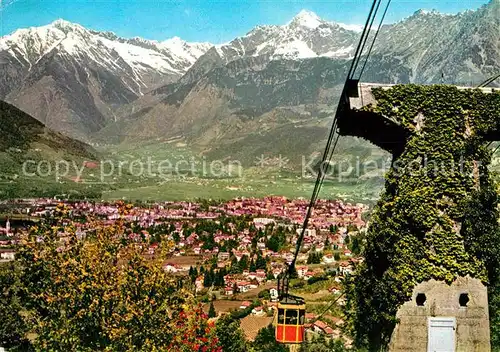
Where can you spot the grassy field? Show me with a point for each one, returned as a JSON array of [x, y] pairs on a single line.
[[225, 189], [169, 170], [175, 172]]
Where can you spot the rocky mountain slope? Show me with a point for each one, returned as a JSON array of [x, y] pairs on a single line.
[[273, 82], [72, 78], [29, 153], [25, 138], [305, 36], [251, 90], [430, 47]]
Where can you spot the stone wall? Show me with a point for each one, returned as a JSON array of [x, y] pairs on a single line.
[[441, 300]]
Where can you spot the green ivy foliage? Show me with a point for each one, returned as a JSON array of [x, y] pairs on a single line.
[[437, 218]]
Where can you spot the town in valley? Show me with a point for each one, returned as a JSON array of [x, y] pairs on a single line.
[[233, 252]]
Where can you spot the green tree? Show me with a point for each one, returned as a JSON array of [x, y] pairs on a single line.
[[265, 341], [13, 328], [356, 245], [101, 293], [230, 335], [264, 294], [314, 257], [193, 274], [276, 242], [260, 262], [352, 228], [208, 279], [244, 263], [211, 311], [252, 267], [320, 344], [176, 237]]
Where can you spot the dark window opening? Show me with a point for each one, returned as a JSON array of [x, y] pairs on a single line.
[[291, 316], [281, 316], [463, 300], [302, 316], [421, 299]]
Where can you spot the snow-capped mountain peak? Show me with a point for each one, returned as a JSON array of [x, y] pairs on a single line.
[[307, 19], [305, 36], [143, 59], [62, 23]]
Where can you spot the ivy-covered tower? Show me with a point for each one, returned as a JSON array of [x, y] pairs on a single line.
[[435, 227]]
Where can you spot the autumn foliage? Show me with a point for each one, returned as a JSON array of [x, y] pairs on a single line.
[[100, 293]]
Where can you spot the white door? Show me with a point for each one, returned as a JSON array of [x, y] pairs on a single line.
[[441, 335]]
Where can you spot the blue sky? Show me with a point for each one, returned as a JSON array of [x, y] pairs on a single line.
[[202, 20]]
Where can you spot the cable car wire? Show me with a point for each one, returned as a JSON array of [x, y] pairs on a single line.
[[329, 151], [488, 81], [364, 37], [375, 37], [327, 308]]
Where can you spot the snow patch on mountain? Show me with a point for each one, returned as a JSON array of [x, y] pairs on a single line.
[[306, 19], [139, 58], [294, 50], [343, 52], [190, 52], [305, 36], [352, 27], [171, 56]]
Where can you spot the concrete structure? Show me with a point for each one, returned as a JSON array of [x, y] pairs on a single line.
[[440, 317], [452, 317], [382, 131], [365, 96]]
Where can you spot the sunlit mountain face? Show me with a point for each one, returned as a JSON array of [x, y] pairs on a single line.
[[95, 85]]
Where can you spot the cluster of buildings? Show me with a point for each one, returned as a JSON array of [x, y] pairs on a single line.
[[251, 224], [326, 234], [7, 242]]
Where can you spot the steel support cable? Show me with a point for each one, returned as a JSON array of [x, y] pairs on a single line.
[[375, 38], [327, 157], [317, 188], [327, 308], [357, 56], [365, 39], [358, 52], [488, 81], [322, 174], [328, 153]]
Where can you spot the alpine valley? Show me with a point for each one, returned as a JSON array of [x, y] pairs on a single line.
[[270, 92]]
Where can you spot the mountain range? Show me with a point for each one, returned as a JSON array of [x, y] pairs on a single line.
[[271, 91], [72, 79]]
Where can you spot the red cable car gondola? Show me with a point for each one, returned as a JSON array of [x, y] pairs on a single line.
[[290, 319]]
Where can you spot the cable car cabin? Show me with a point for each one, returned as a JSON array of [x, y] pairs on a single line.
[[290, 320]]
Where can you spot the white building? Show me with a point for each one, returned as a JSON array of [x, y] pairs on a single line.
[[8, 255], [274, 294], [328, 259], [308, 232]]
